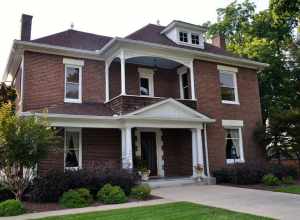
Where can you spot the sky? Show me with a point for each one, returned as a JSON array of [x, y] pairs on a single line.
[[110, 18]]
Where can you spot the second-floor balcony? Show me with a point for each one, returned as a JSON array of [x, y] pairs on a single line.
[[138, 81]]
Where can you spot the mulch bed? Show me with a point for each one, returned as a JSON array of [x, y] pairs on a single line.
[[32, 207]]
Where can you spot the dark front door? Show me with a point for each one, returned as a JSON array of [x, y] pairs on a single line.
[[148, 145]]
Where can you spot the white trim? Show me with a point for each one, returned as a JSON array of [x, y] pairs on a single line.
[[79, 130], [127, 159], [73, 62], [227, 68], [236, 95], [123, 74], [70, 100], [159, 149], [22, 84], [232, 123], [185, 25], [106, 82], [147, 74], [206, 150], [192, 79]]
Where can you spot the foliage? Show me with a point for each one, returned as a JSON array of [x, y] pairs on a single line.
[[50, 187], [178, 210], [265, 36], [141, 192], [72, 199], [7, 94], [5, 194], [252, 173], [23, 143], [85, 193], [109, 194], [11, 208], [270, 180], [288, 180], [294, 189]]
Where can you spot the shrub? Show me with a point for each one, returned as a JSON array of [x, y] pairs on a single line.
[[11, 208], [85, 193], [270, 180], [141, 192], [49, 188], [5, 194], [109, 194], [288, 180], [72, 199], [281, 171]]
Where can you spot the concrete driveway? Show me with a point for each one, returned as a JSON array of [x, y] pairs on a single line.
[[259, 202]]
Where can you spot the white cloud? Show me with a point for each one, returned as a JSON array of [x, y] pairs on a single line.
[[112, 18]]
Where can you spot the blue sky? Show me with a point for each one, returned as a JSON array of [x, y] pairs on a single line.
[[111, 18]]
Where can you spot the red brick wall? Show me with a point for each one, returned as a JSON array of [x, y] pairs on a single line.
[[44, 81], [100, 147], [177, 148], [209, 103]]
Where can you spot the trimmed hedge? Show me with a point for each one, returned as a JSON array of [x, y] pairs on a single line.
[[50, 187], [109, 194], [141, 192], [72, 199], [11, 207], [252, 173]]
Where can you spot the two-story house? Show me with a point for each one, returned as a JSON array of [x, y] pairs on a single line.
[[162, 94]]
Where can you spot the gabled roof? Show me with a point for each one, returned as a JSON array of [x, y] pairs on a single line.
[[75, 39], [168, 109]]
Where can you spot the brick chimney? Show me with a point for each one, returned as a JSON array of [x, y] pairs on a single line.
[[26, 21], [219, 41]]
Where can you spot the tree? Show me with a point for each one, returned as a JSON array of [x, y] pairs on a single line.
[[7, 94], [23, 143], [266, 37]]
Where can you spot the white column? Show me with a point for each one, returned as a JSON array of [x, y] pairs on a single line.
[[206, 151], [199, 147], [192, 78], [106, 81], [123, 83], [194, 151], [127, 161]]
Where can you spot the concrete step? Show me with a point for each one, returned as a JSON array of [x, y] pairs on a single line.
[[170, 182]]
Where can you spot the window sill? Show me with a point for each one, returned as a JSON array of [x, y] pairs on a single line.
[[72, 168], [232, 161], [230, 102], [73, 101]]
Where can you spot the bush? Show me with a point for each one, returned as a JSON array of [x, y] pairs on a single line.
[[270, 180], [73, 199], [141, 192], [50, 187], [109, 194], [11, 208], [85, 193], [288, 180], [281, 171], [5, 194]]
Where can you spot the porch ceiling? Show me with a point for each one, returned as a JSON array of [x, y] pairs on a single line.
[[155, 62]]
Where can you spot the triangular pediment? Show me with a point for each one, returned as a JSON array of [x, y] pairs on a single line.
[[169, 109]]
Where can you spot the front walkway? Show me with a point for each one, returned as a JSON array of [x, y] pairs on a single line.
[[258, 202]]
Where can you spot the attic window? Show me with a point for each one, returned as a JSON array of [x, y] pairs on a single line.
[[183, 36], [195, 39]]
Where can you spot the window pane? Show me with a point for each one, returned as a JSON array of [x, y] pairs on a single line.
[[183, 36], [72, 91], [186, 92], [72, 74], [144, 86], [185, 80], [227, 94], [195, 39], [226, 80], [72, 149], [232, 144]]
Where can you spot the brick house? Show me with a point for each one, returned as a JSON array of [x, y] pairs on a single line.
[[162, 94]]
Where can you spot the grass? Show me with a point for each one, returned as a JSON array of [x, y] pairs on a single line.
[[295, 189], [171, 211]]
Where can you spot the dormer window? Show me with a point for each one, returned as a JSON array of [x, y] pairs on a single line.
[[195, 39], [183, 36]]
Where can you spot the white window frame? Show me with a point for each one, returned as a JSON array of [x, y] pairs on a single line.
[[79, 130], [235, 124], [195, 34], [73, 64], [180, 71], [187, 34], [232, 71], [146, 74]]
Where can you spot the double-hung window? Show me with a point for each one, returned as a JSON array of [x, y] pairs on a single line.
[[228, 84], [72, 149], [73, 80], [146, 82], [183, 82], [233, 141]]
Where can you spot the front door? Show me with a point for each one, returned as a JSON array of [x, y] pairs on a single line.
[[148, 150]]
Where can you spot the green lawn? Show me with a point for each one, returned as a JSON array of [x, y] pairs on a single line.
[[171, 211], [295, 189]]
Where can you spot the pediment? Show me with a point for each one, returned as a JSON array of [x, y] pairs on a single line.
[[169, 109]]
